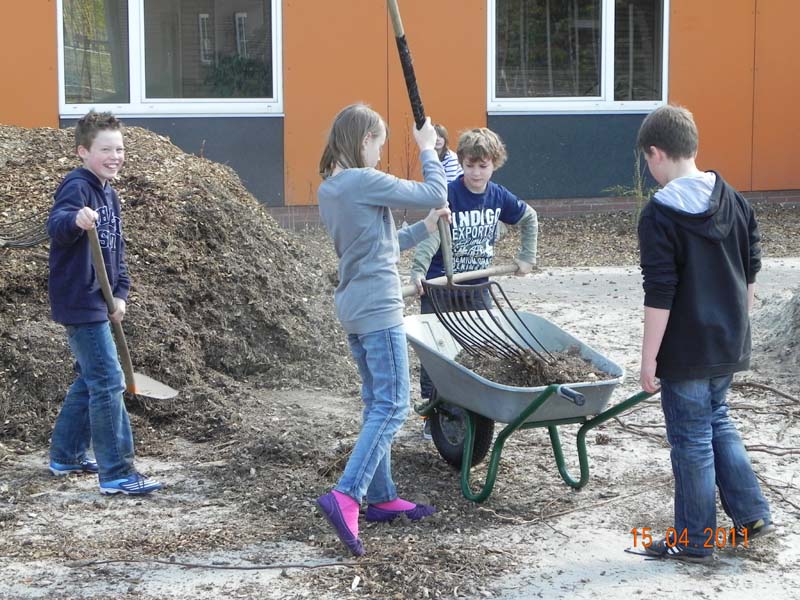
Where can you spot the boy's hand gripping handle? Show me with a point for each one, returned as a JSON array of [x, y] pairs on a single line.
[[105, 286]]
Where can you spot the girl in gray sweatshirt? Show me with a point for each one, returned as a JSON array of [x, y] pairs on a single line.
[[355, 202]]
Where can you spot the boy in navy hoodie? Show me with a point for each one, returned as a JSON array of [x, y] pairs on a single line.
[[700, 253], [93, 411]]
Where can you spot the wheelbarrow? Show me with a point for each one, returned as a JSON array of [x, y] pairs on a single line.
[[465, 406]]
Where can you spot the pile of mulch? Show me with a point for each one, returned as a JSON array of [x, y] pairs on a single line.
[[220, 293], [780, 324], [530, 370]]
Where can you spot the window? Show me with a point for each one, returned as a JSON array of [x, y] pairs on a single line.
[[95, 52], [241, 34], [170, 57], [206, 54], [577, 55]]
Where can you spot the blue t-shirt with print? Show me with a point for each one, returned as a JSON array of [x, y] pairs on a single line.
[[474, 227]]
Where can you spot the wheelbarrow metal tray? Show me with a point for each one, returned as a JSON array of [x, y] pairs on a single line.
[[437, 350]]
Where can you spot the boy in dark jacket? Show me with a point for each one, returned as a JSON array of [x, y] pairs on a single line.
[[700, 252], [93, 410]]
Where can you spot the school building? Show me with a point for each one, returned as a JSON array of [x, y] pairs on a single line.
[[255, 83]]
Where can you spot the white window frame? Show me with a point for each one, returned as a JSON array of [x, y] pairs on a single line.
[[240, 24], [604, 103], [142, 107], [206, 52]]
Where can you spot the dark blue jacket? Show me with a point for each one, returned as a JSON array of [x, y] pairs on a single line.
[[75, 295], [698, 266], [474, 226]]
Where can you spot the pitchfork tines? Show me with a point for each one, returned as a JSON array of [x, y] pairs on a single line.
[[483, 321]]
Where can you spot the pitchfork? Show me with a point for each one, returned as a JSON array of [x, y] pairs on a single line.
[[480, 317], [24, 233]]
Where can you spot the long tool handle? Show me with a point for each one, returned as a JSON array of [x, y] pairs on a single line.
[[105, 286], [419, 118], [446, 244], [407, 64], [411, 290]]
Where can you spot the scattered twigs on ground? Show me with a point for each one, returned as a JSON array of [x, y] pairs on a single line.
[[636, 430], [561, 513], [188, 565], [761, 386], [776, 450], [775, 490]]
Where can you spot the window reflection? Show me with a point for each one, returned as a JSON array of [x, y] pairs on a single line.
[[96, 51], [208, 48]]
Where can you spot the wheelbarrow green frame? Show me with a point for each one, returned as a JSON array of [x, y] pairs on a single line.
[[521, 422]]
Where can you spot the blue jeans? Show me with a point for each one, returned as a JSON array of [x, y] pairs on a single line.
[[707, 451], [93, 411], [382, 359]]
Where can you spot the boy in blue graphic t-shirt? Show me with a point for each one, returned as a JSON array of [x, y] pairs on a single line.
[[478, 206], [93, 412]]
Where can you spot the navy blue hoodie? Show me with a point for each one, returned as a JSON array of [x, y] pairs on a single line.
[[75, 295], [698, 266]]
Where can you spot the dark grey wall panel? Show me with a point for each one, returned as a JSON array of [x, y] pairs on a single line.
[[252, 146], [566, 156]]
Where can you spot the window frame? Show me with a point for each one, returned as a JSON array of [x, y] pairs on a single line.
[[140, 106], [604, 103]]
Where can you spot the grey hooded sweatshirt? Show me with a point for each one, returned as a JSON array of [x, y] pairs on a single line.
[[355, 208]]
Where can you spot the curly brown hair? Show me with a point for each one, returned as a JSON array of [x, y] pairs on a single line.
[[481, 144], [91, 124]]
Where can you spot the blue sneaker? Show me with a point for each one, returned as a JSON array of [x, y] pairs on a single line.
[[87, 465], [135, 484]]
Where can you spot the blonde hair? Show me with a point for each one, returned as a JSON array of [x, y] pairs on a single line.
[[349, 128], [481, 144]]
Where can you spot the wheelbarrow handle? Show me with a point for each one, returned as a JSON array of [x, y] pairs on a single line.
[[105, 286], [411, 289], [570, 394]]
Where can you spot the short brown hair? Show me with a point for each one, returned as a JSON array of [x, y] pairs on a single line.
[[482, 144], [348, 131], [671, 129], [93, 123]]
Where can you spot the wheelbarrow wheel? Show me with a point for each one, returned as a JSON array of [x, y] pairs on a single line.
[[448, 430]]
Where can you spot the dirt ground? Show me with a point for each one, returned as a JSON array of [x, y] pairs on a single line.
[[236, 314]]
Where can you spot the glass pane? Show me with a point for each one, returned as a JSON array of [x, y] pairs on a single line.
[[96, 51], [208, 48], [548, 48], [638, 49]]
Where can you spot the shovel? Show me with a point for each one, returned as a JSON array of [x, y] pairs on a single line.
[[135, 383]]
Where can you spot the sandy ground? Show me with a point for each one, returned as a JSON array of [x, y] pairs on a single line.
[[560, 544]]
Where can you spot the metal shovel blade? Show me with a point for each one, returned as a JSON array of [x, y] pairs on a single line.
[[147, 386]]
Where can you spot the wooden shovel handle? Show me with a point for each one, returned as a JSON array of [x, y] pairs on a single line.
[[411, 289], [105, 286]]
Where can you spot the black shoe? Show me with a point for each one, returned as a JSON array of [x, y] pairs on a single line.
[[754, 530], [662, 549]]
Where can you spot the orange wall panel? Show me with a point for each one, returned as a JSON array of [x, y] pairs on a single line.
[[711, 49], [29, 58], [447, 39], [334, 55], [343, 52], [776, 123]]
